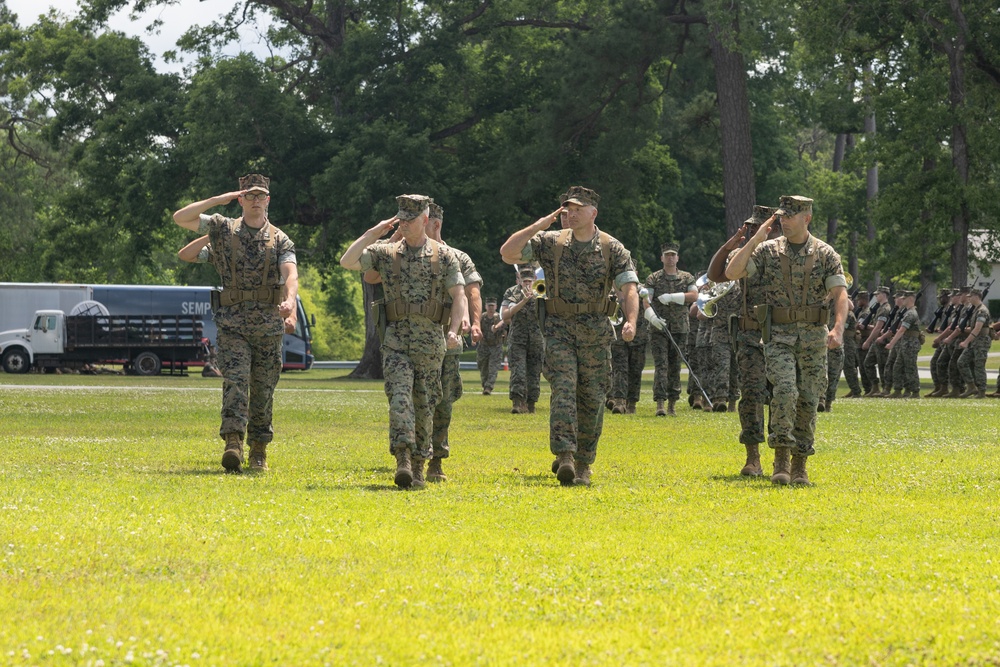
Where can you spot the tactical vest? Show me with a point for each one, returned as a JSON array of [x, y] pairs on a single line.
[[235, 290], [804, 313], [554, 305], [433, 309]]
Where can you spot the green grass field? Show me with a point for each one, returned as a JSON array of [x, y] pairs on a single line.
[[122, 541]]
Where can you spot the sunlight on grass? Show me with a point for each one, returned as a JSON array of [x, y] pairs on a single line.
[[121, 541]]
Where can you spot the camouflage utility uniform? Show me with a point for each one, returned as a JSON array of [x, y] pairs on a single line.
[[250, 327], [489, 351], [972, 362], [904, 372], [851, 348], [577, 345], [834, 365], [525, 348], [413, 346], [876, 355], [754, 392], [666, 358], [721, 377], [451, 377], [795, 354], [628, 358]]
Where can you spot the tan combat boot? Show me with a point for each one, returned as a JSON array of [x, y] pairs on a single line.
[[937, 392], [660, 412], [955, 393], [555, 465], [582, 477], [821, 406], [798, 473], [752, 467], [417, 468], [873, 391], [670, 407], [851, 394], [258, 456], [719, 406], [232, 457], [781, 474], [896, 393], [732, 406], [566, 472], [970, 392], [434, 471], [617, 406], [529, 407], [829, 407], [404, 469], [630, 408]]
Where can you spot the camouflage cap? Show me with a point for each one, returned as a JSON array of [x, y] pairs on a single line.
[[900, 293], [410, 206], [793, 205], [976, 292], [526, 272], [760, 215], [908, 293], [490, 299], [964, 290], [577, 194], [670, 247], [436, 212], [883, 289], [255, 183]]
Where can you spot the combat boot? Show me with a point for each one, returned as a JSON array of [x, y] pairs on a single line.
[[872, 391], [434, 471], [566, 472], [936, 392], [582, 477], [798, 473], [660, 412], [752, 467], [529, 407], [417, 468], [519, 407], [781, 475], [995, 394], [829, 407], [617, 406], [258, 456], [404, 469], [696, 404], [670, 407], [555, 465], [609, 404], [955, 393], [732, 406], [630, 408], [851, 394], [232, 457], [821, 406], [719, 406], [896, 393], [913, 394], [970, 392]]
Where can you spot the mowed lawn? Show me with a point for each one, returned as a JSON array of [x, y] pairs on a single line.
[[122, 541]]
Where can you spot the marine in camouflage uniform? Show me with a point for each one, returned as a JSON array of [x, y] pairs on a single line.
[[950, 302], [950, 339], [851, 347], [489, 352], [693, 355], [906, 344], [976, 347], [875, 355], [628, 359], [798, 272], [720, 363], [699, 360], [670, 289], [891, 353], [525, 344], [752, 375], [834, 366], [418, 276], [581, 265], [256, 262], [451, 377]]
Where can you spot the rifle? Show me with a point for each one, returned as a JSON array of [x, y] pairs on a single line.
[[866, 320], [972, 309], [942, 314]]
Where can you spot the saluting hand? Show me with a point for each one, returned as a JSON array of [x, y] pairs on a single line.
[[736, 239], [383, 227], [764, 230], [551, 218]]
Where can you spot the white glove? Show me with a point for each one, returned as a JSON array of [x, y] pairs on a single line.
[[644, 293], [653, 319], [676, 297]]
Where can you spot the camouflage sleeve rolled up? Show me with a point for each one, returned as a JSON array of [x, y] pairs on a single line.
[[285, 248], [910, 318], [982, 315], [622, 267], [467, 267], [882, 314], [204, 255]]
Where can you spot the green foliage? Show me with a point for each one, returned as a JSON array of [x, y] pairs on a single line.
[[339, 330], [123, 541]]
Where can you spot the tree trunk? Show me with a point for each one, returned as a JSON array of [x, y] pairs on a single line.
[[738, 186], [838, 158], [370, 366], [959, 147], [872, 180]]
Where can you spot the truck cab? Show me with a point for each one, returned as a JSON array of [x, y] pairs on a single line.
[[18, 347]]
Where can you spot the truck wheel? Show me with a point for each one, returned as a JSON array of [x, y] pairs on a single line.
[[16, 360], [146, 363]]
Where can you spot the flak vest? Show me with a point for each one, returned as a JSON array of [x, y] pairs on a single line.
[[234, 292], [554, 305]]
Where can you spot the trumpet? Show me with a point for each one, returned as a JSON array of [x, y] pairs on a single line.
[[850, 280], [709, 293], [539, 285]]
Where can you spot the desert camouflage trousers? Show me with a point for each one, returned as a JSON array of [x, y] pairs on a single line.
[[250, 367], [627, 362], [413, 387], [754, 394], [904, 369], [451, 391], [667, 366], [525, 359], [578, 375], [798, 374], [489, 359]]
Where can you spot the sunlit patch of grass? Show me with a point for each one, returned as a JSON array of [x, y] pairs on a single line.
[[121, 540]]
